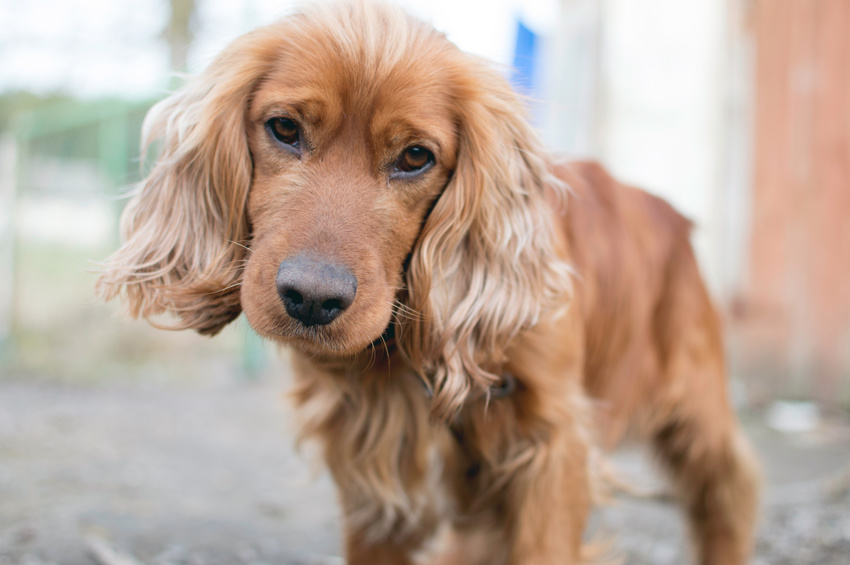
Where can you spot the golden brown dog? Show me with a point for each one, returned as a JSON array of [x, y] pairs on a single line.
[[374, 198]]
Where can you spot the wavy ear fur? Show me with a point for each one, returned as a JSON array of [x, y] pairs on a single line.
[[487, 264], [185, 228]]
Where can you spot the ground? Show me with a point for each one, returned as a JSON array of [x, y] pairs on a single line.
[[205, 474]]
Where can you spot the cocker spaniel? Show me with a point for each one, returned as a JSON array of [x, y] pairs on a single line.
[[470, 317]]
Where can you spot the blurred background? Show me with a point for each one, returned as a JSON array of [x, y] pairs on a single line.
[[737, 111]]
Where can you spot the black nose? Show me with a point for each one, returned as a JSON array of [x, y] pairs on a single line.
[[315, 292]]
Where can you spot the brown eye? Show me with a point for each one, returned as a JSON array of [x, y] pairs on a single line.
[[285, 130], [414, 160]]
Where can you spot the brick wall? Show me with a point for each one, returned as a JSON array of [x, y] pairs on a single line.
[[792, 322]]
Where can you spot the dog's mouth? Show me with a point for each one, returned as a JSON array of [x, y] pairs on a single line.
[[354, 331], [336, 339], [314, 340]]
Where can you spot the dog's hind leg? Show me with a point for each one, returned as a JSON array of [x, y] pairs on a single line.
[[693, 426], [717, 482]]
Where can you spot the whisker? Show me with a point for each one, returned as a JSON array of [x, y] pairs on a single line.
[[406, 312], [240, 245], [387, 351], [234, 285]]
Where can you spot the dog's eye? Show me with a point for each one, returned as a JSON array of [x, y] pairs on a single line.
[[414, 160], [285, 130]]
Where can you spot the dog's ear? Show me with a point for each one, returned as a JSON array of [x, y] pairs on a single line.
[[185, 228], [487, 264]]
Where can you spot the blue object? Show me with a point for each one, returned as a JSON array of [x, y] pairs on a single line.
[[524, 73]]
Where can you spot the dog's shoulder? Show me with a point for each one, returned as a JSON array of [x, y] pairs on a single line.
[[611, 225]]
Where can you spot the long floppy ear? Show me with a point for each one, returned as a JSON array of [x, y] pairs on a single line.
[[487, 264], [185, 228]]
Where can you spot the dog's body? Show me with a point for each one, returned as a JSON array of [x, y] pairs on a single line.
[[469, 318]]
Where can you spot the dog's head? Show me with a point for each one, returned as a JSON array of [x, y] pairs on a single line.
[[338, 172]]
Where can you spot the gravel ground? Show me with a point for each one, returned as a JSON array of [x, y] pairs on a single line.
[[206, 475]]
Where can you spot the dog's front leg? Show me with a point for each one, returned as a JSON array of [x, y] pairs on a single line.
[[548, 501], [548, 496], [539, 514], [360, 551]]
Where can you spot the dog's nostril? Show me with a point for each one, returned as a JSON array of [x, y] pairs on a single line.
[[294, 296], [314, 291]]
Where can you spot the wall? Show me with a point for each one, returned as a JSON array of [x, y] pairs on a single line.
[[793, 316]]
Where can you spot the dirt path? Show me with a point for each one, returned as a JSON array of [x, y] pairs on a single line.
[[174, 476], [208, 475]]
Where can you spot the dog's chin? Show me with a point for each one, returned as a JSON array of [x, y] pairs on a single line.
[[326, 341], [325, 348]]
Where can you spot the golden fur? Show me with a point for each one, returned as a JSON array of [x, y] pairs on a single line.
[[494, 267]]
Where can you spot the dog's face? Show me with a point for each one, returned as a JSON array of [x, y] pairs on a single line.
[[338, 171], [347, 163]]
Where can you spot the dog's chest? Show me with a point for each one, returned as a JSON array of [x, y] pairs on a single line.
[[394, 468]]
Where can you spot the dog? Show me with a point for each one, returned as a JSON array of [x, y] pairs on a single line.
[[471, 318]]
